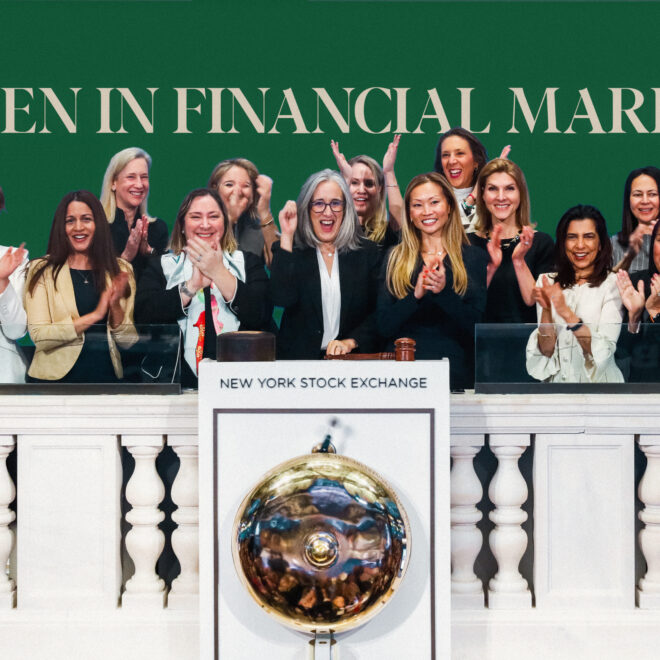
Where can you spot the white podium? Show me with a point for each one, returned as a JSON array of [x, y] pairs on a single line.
[[391, 416]]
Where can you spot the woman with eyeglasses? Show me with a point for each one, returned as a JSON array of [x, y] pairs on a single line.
[[324, 274], [641, 208]]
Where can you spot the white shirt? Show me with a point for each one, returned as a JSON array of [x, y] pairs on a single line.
[[330, 298], [13, 325], [600, 308]]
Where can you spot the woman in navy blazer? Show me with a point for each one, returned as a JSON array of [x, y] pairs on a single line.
[[324, 274]]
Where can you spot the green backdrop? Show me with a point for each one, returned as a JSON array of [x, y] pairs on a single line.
[[306, 44]]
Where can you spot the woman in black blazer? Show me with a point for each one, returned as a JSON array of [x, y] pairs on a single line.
[[324, 274]]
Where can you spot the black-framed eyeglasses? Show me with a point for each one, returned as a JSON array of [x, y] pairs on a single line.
[[319, 206]]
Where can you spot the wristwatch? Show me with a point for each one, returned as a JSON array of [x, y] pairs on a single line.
[[184, 289]]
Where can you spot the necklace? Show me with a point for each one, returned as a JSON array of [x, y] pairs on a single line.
[[80, 274], [439, 252]]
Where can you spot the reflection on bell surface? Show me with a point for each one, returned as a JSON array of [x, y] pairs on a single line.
[[321, 543]]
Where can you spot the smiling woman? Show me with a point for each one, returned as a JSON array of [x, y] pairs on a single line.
[[135, 235], [324, 274], [434, 289], [205, 284], [79, 298], [579, 307]]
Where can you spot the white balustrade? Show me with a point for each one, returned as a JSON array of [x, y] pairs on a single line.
[[184, 593], [145, 541], [7, 516], [648, 592], [508, 541], [466, 539]]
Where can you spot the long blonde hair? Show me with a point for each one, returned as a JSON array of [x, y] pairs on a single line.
[[376, 224], [485, 220], [405, 256], [117, 163]]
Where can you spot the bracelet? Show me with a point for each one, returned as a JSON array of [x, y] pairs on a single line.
[[270, 222], [391, 185], [183, 288], [575, 327]]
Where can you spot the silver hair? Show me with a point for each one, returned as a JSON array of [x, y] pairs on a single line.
[[350, 231]]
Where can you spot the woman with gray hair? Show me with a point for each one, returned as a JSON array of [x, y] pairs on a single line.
[[135, 234], [324, 274]]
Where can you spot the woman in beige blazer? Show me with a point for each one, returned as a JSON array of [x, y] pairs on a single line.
[[79, 298]]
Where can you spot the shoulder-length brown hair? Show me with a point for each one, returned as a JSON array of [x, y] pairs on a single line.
[[485, 219], [178, 239], [101, 250], [603, 262], [405, 256]]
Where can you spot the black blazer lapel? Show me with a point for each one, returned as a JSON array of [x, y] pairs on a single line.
[[312, 282]]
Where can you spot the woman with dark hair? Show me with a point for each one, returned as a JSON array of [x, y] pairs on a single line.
[[640, 346], [641, 207], [324, 274], [460, 156], [13, 324], [246, 196], [435, 283], [205, 284], [135, 234], [372, 187], [579, 307], [79, 298]]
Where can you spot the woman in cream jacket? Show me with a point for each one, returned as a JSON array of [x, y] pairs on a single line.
[[79, 298]]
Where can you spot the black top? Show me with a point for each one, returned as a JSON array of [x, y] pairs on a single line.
[[442, 323], [295, 285], [505, 303], [638, 355], [156, 304], [249, 236], [157, 237], [93, 364]]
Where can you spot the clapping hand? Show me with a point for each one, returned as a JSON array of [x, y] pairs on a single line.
[[495, 247], [206, 257], [432, 277], [543, 294], [145, 248], [11, 260], [653, 301], [134, 242], [524, 244], [632, 299]]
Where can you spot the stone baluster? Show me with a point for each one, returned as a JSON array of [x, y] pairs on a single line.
[[508, 541], [467, 591], [185, 538], [144, 541], [7, 516], [648, 589]]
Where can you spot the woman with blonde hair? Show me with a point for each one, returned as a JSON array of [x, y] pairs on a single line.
[[435, 284], [518, 253], [204, 284], [135, 234], [246, 196], [372, 187]]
